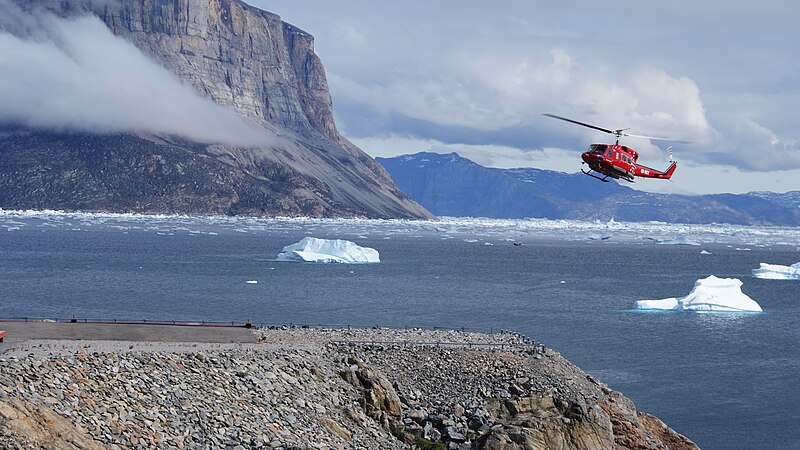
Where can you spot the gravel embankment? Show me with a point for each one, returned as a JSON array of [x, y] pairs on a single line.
[[296, 389]]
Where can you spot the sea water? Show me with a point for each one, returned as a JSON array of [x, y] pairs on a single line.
[[727, 381]]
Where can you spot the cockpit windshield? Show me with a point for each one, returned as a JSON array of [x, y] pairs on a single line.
[[598, 148]]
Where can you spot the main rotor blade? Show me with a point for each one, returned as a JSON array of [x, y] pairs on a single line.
[[583, 124], [618, 133], [657, 138]]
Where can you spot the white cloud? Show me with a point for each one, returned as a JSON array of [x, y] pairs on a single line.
[[490, 92], [351, 35], [762, 148], [75, 74]]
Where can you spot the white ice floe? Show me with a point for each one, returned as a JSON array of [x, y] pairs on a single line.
[[483, 229], [328, 251], [679, 240], [705, 252], [778, 272], [710, 294], [251, 281]]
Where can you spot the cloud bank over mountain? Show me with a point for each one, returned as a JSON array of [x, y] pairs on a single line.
[[74, 74]]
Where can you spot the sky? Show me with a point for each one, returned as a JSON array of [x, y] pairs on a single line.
[[475, 77], [472, 77]]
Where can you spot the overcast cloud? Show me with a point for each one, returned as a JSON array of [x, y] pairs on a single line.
[[475, 77], [76, 75]]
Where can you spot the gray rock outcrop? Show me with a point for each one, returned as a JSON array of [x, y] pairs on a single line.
[[380, 400]]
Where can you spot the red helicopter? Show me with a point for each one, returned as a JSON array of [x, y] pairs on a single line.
[[618, 161]]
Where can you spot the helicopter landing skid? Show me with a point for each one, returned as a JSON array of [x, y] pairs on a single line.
[[589, 173]]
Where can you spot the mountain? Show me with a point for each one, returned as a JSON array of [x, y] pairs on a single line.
[[790, 199], [450, 185], [242, 58]]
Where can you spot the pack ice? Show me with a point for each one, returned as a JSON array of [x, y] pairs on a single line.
[[710, 294], [328, 251], [778, 272]]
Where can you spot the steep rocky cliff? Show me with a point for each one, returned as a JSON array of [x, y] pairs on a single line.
[[240, 57]]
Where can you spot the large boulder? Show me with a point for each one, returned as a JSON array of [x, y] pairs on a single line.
[[379, 398]]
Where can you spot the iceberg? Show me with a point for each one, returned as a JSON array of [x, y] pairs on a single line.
[[328, 251], [777, 272], [679, 240], [709, 294]]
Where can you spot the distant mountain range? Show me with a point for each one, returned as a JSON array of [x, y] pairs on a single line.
[[450, 185]]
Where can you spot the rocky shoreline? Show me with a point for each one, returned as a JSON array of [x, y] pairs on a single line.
[[315, 389]]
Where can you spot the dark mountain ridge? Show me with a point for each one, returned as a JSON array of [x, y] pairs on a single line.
[[450, 185], [122, 172]]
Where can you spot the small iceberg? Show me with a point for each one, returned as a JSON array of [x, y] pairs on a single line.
[[710, 294], [328, 251], [679, 240], [704, 252], [777, 272]]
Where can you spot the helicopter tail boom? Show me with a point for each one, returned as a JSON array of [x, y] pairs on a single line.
[[644, 171]]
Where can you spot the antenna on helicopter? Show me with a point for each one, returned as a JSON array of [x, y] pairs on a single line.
[[669, 150]]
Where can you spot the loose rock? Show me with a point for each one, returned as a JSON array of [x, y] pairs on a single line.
[[315, 388]]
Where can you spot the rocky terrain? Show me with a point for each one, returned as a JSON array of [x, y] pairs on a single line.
[[315, 388], [242, 58]]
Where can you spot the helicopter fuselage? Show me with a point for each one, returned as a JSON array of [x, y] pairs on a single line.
[[618, 161]]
